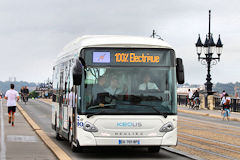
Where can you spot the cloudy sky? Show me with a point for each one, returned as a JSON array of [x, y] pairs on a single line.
[[32, 33]]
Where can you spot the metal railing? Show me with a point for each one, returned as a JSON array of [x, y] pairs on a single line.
[[234, 107], [182, 99]]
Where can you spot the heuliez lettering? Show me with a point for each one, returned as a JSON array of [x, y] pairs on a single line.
[[133, 58]]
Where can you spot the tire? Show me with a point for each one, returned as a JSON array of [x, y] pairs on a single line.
[[55, 127], [58, 136], [154, 149], [69, 132], [73, 148]]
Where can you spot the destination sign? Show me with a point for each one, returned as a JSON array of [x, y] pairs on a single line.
[[133, 58], [129, 56]]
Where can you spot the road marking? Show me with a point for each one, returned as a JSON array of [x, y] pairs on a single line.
[[210, 140], [19, 138], [225, 126], [3, 145], [206, 151], [207, 114], [60, 154]]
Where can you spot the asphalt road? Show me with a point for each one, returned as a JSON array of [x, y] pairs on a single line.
[[208, 138], [41, 114]]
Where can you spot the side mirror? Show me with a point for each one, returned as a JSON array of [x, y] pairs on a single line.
[[180, 71], [77, 72]]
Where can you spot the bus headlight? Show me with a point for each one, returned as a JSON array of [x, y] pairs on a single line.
[[89, 127], [167, 127]]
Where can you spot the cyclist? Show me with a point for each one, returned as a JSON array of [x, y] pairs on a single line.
[[196, 100], [21, 93], [11, 96], [25, 93], [190, 100], [226, 101]]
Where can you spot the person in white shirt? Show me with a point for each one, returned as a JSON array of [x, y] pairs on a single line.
[[190, 94], [11, 96], [114, 87], [147, 85], [226, 102]]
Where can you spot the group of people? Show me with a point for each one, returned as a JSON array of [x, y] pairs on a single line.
[[115, 89], [24, 92], [225, 102], [193, 97]]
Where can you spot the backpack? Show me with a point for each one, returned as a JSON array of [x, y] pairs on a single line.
[[227, 103]]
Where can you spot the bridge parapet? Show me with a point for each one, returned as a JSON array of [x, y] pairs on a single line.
[[212, 100]]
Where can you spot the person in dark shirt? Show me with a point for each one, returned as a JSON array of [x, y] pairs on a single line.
[[196, 96], [21, 93], [26, 92], [98, 89]]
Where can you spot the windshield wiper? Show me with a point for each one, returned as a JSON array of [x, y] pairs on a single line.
[[162, 113], [105, 105], [101, 111], [92, 114]]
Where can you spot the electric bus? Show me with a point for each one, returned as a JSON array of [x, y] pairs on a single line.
[[116, 91]]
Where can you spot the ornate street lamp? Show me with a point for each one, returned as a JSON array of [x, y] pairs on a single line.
[[209, 48]]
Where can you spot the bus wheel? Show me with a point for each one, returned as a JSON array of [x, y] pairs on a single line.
[[154, 149], [58, 136], [55, 122], [73, 147], [69, 134]]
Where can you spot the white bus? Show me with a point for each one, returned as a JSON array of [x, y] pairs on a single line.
[[116, 91]]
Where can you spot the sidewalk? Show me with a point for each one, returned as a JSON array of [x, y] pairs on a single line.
[[234, 116], [20, 142]]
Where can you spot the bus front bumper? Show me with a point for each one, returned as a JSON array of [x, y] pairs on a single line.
[[101, 141], [169, 139]]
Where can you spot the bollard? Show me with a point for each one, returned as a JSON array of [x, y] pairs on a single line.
[[206, 101], [234, 105]]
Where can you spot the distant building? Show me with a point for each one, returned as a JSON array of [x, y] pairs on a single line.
[[184, 89], [12, 79]]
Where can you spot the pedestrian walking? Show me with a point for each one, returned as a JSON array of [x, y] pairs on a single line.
[[226, 102], [223, 94], [12, 97]]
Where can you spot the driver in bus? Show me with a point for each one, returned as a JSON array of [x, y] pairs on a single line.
[[147, 84], [98, 88], [114, 87]]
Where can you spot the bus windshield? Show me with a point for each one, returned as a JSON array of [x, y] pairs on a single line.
[[129, 90]]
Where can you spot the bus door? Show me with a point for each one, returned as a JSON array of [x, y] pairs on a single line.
[[65, 117], [74, 111], [61, 100]]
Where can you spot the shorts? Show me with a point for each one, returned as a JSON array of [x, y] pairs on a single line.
[[226, 113], [11, 109], [195, 99]]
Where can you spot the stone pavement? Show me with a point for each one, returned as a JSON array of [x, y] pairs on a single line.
[[20, 142], [234, 116]]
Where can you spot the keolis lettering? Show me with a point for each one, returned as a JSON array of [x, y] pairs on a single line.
[[133, 58], [129, 124]]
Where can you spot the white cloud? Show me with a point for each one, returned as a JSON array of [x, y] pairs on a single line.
[[33, 32]]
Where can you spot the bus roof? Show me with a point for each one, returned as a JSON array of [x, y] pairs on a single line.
[[111, 41]]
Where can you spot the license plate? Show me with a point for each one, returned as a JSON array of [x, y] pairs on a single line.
[[128, 141]]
